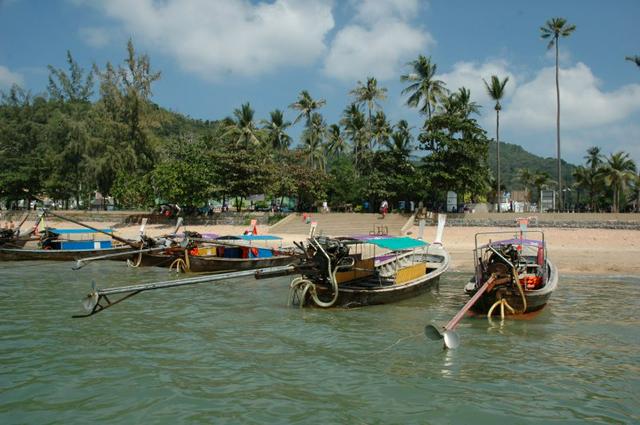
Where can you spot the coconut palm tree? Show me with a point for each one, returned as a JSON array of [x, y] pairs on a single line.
[[495, 90], [619, 171], [424, 90], [459, 104], [369, 94], [306, 105], [336, 143], [594, 177], [593, 158], [541, 180], [554, 29], [635, 59], [243, 129], [525, 177], [380, 130], [313, 142], [355, 127], [401, 140], [276, 130]]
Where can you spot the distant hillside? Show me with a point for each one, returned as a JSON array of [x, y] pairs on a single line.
[[513, 157], [173, 124]]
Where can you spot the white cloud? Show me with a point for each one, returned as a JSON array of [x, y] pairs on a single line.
[[470, 75], [378, 42], [358, 52], [371, 11], [216, 37], [9, 78], [95, 37], [583, 103]]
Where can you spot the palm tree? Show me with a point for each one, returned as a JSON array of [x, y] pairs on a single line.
[[306, 105], [541, 180], [369, 94], [526, 179], [380, 130], [635, 59], [276, 130], [554, 29], [594, 176], [593, 158], [423, 88], [313, 142], [355, 127], [496, 92], [243, 128], [401, 140], [619, 171], [336, 144]]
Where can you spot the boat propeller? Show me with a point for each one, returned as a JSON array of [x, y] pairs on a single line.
[[91, 300], [451, 338]]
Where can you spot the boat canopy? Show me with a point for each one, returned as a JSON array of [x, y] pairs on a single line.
[[396, 244], [515, 241], [78, 231]]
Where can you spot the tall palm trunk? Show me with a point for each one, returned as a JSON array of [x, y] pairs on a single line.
[[560, 197], [498, 156]]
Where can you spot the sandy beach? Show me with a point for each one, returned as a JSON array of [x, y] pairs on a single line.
[[574, 251]]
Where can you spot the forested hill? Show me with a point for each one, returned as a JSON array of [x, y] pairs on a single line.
[[514, 157]]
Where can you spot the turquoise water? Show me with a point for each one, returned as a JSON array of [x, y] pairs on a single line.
[[232, 352]]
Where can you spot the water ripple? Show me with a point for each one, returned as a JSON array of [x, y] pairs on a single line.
[[232, 352]]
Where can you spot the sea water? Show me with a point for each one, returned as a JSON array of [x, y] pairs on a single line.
[[233, 352]]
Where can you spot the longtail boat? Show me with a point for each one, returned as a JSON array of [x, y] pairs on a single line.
[[513, 277], [53, 248], [234, 253], [526, 276], [13, 237], [337, 274]]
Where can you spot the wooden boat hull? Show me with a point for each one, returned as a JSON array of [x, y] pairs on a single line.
[[354, 295], [536, 299], [214, 264], [16, 254]]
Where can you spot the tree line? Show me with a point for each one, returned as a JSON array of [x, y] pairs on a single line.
[[73, 141]]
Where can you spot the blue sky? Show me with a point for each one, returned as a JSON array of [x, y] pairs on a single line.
[[217, 54]]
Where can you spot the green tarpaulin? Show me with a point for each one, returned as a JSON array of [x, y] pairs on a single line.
[[397, 243]]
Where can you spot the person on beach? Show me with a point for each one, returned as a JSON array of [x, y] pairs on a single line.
[[384, 207]]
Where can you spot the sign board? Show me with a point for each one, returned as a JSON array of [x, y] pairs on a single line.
[[452, 201], [547, 200]]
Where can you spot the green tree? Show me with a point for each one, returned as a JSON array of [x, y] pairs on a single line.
[[336, 143], [369, 94], [313, 143], [306, 105], [592, 178], [70, 87], [380, 130], [541, 180], [401, 140], [355, 127], [276, 129], [457, 154], [423, 89], [619, 171], [554, 29], [243, 129], [525, 177], [496, 92], [122, 141]]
